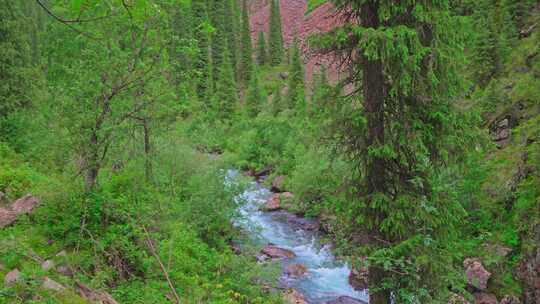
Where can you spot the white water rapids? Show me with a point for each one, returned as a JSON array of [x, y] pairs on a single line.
[[327, 277]]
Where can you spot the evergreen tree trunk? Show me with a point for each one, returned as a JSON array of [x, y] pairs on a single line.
[[373, 86]]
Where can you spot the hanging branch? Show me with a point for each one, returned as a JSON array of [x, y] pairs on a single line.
[[68, 22]]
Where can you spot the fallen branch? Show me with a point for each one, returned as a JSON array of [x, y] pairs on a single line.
[[152, 249]]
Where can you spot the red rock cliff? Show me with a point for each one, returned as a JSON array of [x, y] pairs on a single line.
[[295, 22]]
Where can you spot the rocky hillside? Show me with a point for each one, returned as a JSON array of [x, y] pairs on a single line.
[[295, 22]]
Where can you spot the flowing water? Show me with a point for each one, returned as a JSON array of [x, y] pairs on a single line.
[[327, 277]]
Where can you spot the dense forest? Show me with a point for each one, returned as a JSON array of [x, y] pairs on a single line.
[[404, 137]]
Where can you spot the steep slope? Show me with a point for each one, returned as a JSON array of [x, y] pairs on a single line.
[[296, 23]]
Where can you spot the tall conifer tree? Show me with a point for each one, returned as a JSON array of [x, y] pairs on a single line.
[[246, 47], [203, 63], [404, 63], [275, 40], [296, 94], [255, 95], [226, 91], [262, 55]]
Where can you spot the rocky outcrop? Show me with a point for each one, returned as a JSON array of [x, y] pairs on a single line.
[[24, 205], [529, 273], [295, 23], [277, 252], [346, 300], [485, 298], [295, 270], [477, 275], [292, 296]]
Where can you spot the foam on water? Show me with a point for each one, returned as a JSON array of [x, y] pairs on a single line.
[[327, 277]]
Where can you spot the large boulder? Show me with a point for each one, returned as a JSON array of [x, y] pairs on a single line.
[[277, 184], [292, 296], [346, 300], [273, 203], [485, 298], [295, 270], [25, 204], [277, 252], [477, 275], [12, 277]]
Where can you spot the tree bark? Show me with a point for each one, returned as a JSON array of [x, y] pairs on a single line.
[[92, 163], [374, 89], [147, 151]]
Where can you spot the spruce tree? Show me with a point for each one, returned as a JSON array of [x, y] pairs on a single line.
[[255, 95], [203, 62], [321, 90], [275, 40], [404, 57], [262, 55], [277, 100], [246, 47], [296, 94], [219, 35], [226, 91], [15, 59], [232, 27]]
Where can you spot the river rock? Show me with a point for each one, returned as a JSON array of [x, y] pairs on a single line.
[[50, 284], [277, 253], [485, 298], [477, 275], [278, 201], [277, 183], [358, 278], [12, 277], [292, 296], [346, 300], [303, 223], [25, 204], [273, 203], [47, 265], [295, 270]]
